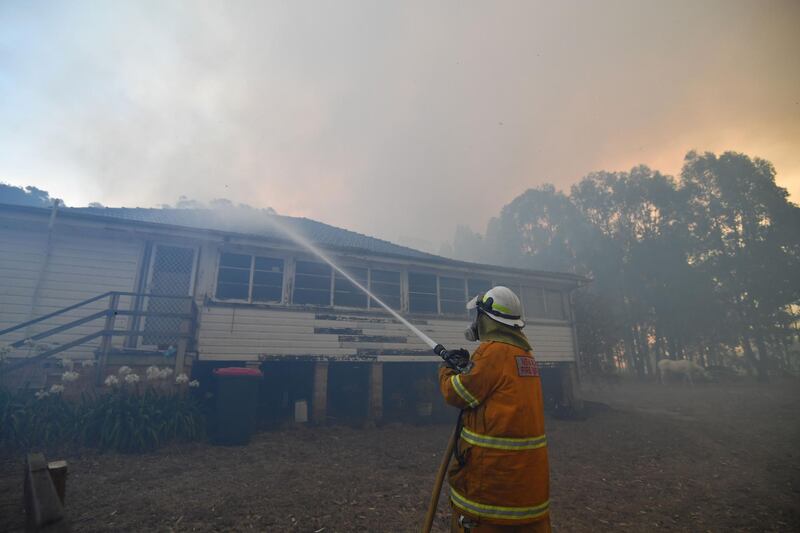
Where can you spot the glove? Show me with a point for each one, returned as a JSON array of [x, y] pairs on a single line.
[[458, 359]]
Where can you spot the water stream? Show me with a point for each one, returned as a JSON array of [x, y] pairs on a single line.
[[305, 243]]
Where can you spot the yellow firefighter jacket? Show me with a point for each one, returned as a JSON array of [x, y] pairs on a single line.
[[504, 478]]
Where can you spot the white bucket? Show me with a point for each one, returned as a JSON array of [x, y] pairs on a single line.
[[301, 411]]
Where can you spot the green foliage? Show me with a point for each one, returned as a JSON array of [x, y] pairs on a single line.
[[27, 422], [121, 420]]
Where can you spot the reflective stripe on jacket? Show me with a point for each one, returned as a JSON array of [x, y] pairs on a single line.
[[505, 478]]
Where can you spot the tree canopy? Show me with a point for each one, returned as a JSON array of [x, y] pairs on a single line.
[[704, 266]]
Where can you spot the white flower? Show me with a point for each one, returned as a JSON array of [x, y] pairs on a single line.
[[132, 378], [153, 373], [166, 372], [67, 363], [56, 389], [111, 379], [85, 363], [41, 394], [194, 383], [69, 376], [5, 349], [124, 370], [181, 379]]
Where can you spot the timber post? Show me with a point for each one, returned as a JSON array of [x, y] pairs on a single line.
[[375, 392], [108, 336], [183, 342], [319, 400]]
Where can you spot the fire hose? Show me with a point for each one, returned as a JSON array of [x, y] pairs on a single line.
[[459, 361]]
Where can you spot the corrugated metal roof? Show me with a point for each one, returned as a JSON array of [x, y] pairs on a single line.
[[258, 222]]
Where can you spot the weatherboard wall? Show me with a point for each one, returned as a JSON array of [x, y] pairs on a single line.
[[250, 334], [44, 270]]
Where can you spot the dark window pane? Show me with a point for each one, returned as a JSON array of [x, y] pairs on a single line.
[[422, 303], [357, 273], [270, 264], [234, 275], [348, 294], [555, 305], [385, 276], [451, 283], [309, 296], [317, 269], [235, 260], [350, 299], [477, 286], [391, 301], [232, 291], [450, 307], [312, 284], [422, 297], [533, 302], [422, 283], [274, 279], [302, 281], [264, 293], [452, 296], [386, 286]]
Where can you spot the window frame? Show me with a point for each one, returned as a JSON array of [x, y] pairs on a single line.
[[463, 312], [303, 259], [336, 274], [408, 292], [251, 275], [371, 305]]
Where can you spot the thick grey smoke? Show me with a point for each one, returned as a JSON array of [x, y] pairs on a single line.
[[399, 120]]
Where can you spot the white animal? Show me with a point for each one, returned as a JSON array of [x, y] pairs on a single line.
[[681, 367]]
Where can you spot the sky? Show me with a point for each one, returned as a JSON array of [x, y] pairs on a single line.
[[400, 120]]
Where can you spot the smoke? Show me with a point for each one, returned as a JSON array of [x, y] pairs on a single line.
[[396, 120]]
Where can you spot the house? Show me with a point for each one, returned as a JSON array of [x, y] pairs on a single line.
[[199, 289]]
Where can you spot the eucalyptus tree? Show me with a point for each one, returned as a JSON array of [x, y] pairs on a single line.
[[750, 243]]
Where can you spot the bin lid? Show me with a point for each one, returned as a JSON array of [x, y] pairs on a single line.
[[238, 371]]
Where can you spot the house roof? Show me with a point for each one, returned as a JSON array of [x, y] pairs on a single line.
[[260, 223]]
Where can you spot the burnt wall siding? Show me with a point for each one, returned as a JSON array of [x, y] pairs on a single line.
[[241, 333]]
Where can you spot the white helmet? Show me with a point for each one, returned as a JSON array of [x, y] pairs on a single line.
[[501, 305]]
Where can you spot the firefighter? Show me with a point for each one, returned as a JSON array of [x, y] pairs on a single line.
[[499, 479]]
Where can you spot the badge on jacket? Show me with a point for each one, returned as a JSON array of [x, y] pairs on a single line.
[[527, 367]]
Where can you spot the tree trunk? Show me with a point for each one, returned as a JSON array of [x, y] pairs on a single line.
[[763, 366], [752, 364]]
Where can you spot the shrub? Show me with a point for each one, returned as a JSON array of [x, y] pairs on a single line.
[[27, 421], [125, 421], [122, 419]]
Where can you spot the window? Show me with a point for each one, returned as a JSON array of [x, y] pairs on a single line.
[[386, 286], [533, 302], [477, 286], [233, 278], [422, 293], [239, 273], [555, 305], [267, 279], [345, 293], [312, 283], [452, 298]]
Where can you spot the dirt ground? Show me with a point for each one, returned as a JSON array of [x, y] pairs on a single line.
[[712, 458]]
